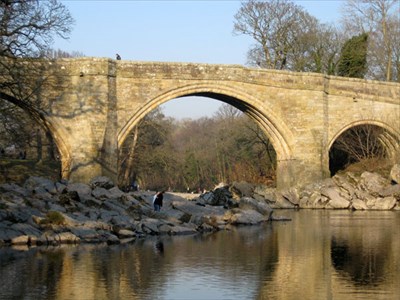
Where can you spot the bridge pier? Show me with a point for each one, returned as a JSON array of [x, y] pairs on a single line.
[[300, 172], [84, 171]]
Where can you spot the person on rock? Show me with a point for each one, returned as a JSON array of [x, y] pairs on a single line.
[[158, 201]]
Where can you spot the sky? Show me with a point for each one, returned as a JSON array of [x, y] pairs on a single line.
[[196, 31]]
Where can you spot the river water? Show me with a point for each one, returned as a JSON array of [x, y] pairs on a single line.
[[320, 254]]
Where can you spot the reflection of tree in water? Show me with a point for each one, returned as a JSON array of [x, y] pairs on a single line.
[[365, 266], [37, 273]]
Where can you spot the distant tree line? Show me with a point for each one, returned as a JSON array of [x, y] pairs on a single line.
[[197, 154], [366, 45]]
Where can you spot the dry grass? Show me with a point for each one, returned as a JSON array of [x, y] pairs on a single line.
[[376, 165]]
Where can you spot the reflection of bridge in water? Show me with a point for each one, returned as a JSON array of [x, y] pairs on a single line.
[[90, 105], [338, 255], [318, 255]]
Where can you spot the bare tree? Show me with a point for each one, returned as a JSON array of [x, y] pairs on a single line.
[[380, 19], [362, 142], [28, 27], [286, 37], [27, 30], [227, 112]]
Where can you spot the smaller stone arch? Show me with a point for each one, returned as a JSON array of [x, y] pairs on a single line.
[[55, 131], [390, 138]]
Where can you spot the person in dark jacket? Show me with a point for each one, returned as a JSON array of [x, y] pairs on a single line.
[[158, 201]]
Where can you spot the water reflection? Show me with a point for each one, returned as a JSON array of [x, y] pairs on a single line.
[[318, 255], [364, 250]]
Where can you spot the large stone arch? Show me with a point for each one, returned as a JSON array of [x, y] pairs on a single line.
[[55, 131], [391, 138], [276, 130]]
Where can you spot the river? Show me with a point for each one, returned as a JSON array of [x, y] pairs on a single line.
[[320, 254]]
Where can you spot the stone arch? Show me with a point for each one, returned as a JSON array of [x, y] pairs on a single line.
[[390, 138], [279, 134], [55, 131]]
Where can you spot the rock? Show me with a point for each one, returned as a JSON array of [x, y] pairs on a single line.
[[218, 197], [393, 190], [100, 193], [26, 229], [292, 195], [346, 189], [241, 189], [245, 217], [20, 240], [67, 238], [363, 195], [87, 235], [372, 183], [164, 229], [336, 200], [83, 190], [338, 203], [102, 182], [250, 203], [386, 203], [395, 173], [150, 225], [281, 202], [14, 188], [116, 193], [317, 200], [182, 230], [111, 239], [60, 187], [35, 183], [206, 228], [358, 204], [267, 193], [125, 233], [68, 198]]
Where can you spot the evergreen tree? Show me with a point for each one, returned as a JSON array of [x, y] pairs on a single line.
[[353, 59]]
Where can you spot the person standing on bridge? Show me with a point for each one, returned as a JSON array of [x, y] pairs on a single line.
[[158, 201]]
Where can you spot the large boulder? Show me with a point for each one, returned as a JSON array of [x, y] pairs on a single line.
[[245, 217], [386, 203], [372, 183], [219, 197], [241, 189], [261, 207]]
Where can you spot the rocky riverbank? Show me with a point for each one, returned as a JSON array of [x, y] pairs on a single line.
[[42, 212], [368, 191]]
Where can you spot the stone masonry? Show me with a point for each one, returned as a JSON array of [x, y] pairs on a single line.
[[93, 103]]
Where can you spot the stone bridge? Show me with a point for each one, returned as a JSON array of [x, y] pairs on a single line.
[[93, 103]]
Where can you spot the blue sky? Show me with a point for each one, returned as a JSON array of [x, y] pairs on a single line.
[[172, 31]]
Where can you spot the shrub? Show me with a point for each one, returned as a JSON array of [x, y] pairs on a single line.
[[53, 217]]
